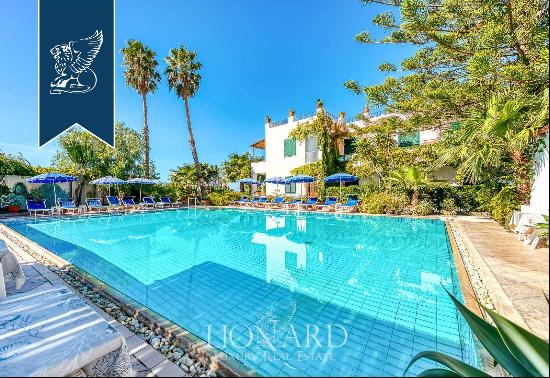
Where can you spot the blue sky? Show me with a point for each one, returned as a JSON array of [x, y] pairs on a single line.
[[259, 57]]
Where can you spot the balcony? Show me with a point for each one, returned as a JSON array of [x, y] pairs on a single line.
[[259, 167]]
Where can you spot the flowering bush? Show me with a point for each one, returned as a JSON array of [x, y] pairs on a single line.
[[384, 203], [424, 207]]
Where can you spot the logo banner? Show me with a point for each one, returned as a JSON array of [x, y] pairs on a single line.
[[76, 67]]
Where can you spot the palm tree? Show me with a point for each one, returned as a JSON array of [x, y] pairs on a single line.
[[412, 179], [183, 77], [506, 131], [141, 74]]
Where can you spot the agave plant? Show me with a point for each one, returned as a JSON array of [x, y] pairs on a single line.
[[517, 350]]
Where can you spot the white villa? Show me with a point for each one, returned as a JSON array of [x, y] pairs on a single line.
[[283, 154]]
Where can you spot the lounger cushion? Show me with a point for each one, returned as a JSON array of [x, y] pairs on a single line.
[[53, 332]]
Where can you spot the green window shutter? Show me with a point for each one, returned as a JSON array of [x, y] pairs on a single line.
[[349, 146], [290, 147], [290, 188], [408, 139]]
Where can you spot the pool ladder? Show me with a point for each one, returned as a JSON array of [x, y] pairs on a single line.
[[189, 201]]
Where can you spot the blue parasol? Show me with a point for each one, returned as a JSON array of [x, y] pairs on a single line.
[[51, 178], [277, 180], [341, 177], [249, 181], [142, 181], [108, 180], [301, 179]]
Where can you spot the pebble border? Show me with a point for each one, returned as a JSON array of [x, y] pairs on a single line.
[[187, 356]]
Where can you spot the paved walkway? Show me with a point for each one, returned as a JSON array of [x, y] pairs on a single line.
[[522, 273], [146, 361]]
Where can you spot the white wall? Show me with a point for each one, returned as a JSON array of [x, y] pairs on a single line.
[[276, 164], [539, 192], [11, 180]]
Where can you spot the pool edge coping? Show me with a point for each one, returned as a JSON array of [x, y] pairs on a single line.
[[227, 365]]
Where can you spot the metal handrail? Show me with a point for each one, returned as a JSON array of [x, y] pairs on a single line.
[[189, 201]]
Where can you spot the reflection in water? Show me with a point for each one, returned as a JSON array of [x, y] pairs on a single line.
[[280, 275]]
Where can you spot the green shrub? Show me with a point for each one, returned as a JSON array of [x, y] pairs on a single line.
[[361, 191], [503, 204], [4, 189], [222, 198], [161, 190], [384, 203], [46, 192], [449, 206], [466, 198], [12, 199], [424, 207]]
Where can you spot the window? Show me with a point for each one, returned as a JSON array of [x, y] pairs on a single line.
[[312, 149], [290, 188], [349, 146], [408, 139], [290, 147]]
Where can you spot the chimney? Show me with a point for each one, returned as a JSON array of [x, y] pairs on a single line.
[[342, 116], [291, 115], [319, 105], [267, 120]]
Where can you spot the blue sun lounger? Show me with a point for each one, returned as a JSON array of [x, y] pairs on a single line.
[[95, 204], [329, 202], [67, 205], [165, 200], [149, 202], [291, 204], [240, 201], [114, 202], [349, 206], [312, 201], [252, 202], [129, 202], [38, 207], [261, 201], [277, 201]]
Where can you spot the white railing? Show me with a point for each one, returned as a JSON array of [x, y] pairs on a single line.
[[189, 199]]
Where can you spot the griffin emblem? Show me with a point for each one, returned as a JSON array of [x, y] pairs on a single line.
[[72, 63]]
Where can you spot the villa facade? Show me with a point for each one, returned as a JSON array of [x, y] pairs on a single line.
[[283, 154]]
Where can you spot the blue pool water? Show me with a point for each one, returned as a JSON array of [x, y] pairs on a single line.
[[285, 293]]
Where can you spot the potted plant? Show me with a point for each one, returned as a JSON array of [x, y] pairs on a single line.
[[13, 202]]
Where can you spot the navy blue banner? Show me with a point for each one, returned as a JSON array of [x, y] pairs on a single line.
[[76, 67]]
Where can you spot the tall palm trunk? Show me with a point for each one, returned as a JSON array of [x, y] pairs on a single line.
[[146, 149], [194, 148], [415, 197], [522, 176]]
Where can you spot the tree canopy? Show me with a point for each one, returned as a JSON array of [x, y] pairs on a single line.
[[83, 155], [237, 166], [15, 165], [481, 63]]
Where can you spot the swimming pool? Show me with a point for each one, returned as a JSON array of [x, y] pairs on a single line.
[[285, 293]]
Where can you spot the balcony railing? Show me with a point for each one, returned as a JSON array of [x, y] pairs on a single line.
[[298, 118], [361, 117], [279, 123]]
